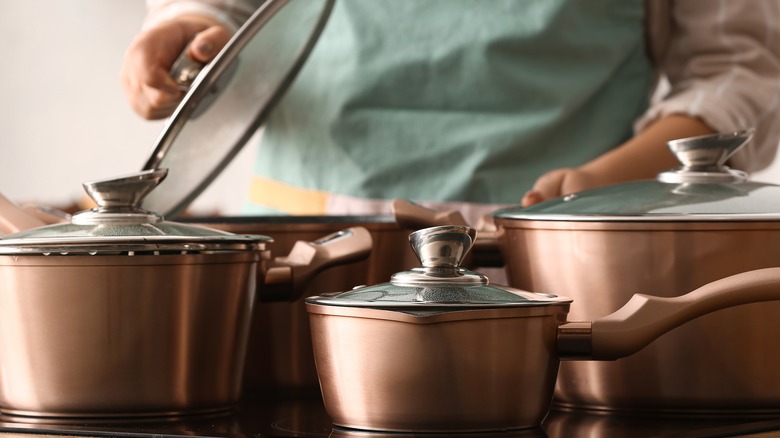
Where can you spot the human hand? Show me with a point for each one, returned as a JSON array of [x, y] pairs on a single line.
[[145, 74], [642, 156], [560, 182]]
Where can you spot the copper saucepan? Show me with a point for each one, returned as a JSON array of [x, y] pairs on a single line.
[[120, 313], [439, 349]]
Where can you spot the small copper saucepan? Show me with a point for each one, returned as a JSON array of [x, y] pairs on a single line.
[[439, 349], [120, 313]]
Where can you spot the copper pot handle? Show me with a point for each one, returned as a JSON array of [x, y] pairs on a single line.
[[413, 216], [14, 219], [409, 215], [646, 317], [286, 277]]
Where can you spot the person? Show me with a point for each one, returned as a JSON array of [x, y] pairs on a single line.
[[477, 105]]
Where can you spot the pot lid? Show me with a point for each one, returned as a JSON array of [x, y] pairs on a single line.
[[119, 226], [702, 189], [231, 97], [440, 282]]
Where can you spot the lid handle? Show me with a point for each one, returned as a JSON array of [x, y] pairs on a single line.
[[442, 247], [704, 157], [125, 191], [185, 69], [708, 151], [119, 199]]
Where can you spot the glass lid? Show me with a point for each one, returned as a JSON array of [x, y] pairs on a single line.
[[118, 225], [232, 97], [702, 189], [439, 283]]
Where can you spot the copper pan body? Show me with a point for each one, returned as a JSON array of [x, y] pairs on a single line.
[[457, 372], [724, 363], [119, 335], [279, 356]]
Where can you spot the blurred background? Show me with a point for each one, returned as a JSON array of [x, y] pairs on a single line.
[[64, 119]]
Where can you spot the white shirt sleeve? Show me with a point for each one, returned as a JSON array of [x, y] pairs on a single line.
[[231, 13], [723, 66]]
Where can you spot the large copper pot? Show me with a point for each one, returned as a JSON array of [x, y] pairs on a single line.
[[119, 313], [692, 226], [439, 349]]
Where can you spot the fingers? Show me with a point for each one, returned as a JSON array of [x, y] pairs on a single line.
[[208, 43], [145, 74], [530, 198], [150, 94], [547, 186], [148, 87], [560, 182], [153, 94]]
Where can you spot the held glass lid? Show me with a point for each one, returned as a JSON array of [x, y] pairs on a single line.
[[118, 226], [440, 282], [231, 97], [702, 189]]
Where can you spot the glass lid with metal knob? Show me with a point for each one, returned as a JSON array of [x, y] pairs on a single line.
[[119, 226], [701, 189], [231, 97], [440, 282]]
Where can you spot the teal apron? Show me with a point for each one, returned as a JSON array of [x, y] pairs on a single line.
[[453, 100]]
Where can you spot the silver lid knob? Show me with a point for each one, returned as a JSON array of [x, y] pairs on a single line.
[[703, 158], [125, 191], [119, 199], [441, 251], [442, 247]]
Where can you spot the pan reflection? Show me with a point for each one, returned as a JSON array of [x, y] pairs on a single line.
[[301, 415]]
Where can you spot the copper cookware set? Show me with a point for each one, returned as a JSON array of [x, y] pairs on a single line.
[[118, 312], [690, 226], [440, 349]]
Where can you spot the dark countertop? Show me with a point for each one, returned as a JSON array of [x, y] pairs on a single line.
[[305, 416]]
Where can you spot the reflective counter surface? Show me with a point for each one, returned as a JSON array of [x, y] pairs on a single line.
[[305, 416]]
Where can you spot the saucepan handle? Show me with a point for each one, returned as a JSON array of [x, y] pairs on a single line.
[[286, 277], [14, 219], [646, 317], [486, 253], [410, 215]]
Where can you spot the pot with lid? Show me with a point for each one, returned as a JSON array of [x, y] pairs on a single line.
[[688, 227], [119, 312], [440, 349]]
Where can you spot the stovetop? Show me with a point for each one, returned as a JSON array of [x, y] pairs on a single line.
[[305, 416]]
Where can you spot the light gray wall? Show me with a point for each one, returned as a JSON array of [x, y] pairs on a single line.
[[63, 117]]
